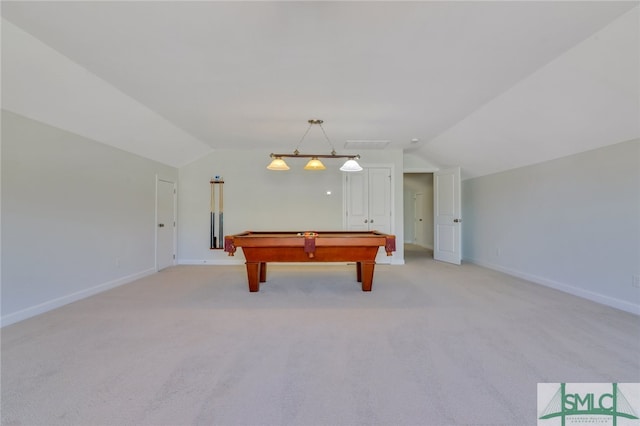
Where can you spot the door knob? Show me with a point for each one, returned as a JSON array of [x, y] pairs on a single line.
[[371, 221], [365, 221], [457, 220], [161, 225]]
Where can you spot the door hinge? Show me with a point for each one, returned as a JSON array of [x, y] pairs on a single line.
[[174, 257]]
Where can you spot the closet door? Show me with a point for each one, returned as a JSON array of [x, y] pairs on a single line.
[[357, 201], [379, 194], [368, 200], [368, 203]]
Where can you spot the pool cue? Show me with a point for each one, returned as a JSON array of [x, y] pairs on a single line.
[[220, 217], [212, 243]]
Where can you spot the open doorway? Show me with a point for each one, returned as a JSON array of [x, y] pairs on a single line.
[[418, 215]]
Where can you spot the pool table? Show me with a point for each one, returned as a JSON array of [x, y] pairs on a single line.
[[259, 248]]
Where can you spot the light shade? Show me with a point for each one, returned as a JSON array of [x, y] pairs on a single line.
[[351, 165], [278, 164], [314, 164]]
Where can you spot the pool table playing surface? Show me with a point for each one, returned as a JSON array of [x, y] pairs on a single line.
[[360, 247]]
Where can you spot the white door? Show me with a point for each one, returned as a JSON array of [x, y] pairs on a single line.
[[418, 221], [380, 200], [368, 203], [447, 211], [368, 200], [357, 201], [165, 224]]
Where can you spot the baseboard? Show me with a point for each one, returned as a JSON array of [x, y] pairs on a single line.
[[622, 305], [231, 261], [50, 305]]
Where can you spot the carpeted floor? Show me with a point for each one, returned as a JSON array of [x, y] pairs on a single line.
[[432, 344]]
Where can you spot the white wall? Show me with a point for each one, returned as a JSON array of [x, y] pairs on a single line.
[[586, 98], [414, 164], [41, 83], [78, 217], [259, 199], [571, 223]]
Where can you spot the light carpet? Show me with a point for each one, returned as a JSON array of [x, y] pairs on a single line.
[[432, 344]]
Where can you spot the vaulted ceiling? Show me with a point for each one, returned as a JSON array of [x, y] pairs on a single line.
[[485, 85]]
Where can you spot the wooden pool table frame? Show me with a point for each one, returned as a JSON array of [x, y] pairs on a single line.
[[259, 248]]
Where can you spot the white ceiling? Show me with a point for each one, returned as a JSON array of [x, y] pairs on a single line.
[[485, 85]]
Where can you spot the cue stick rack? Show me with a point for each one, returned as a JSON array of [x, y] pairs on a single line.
[[216, 239]]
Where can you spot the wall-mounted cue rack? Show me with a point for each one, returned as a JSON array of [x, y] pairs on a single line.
[[217, 238]]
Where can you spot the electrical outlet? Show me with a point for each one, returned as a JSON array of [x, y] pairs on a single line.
[[635, 281]]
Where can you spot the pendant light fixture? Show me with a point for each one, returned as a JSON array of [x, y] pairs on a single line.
[[314, 164], [278, 164], [351, 165]]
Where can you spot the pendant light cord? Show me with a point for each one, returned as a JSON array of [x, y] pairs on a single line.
[[311, 123]]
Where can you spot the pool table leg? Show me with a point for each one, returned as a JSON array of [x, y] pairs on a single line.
[[365, 271], [263, 272], [253, 272], [359, 271], [256, 274]]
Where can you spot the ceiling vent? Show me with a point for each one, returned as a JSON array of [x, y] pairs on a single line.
[[366, 144]]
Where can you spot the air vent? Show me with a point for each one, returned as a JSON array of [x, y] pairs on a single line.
[[366, 144]]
